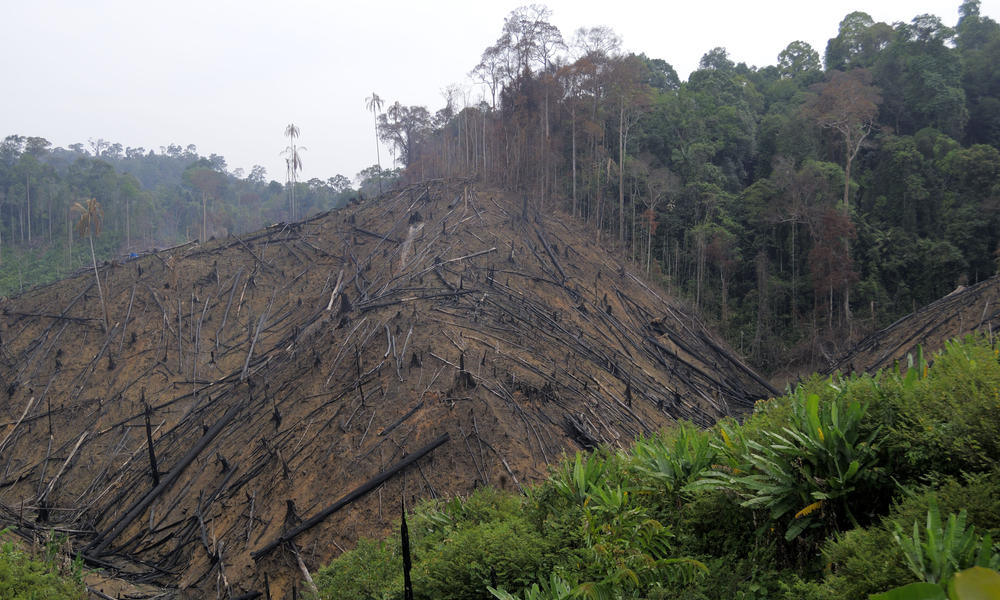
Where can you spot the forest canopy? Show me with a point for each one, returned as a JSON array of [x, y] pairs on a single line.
[[796, 206]]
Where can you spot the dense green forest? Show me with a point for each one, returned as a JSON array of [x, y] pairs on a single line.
[[797, 206], [846, 487], [148, 199]]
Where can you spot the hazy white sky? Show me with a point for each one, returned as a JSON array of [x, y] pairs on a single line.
[[228, 76]]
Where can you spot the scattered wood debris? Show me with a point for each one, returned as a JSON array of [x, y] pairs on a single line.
[[276, 372], [967, 310]]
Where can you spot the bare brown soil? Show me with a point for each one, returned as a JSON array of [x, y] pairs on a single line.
[[281, 370]]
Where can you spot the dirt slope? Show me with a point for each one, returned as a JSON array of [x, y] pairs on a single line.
[[973, 309], [280, 371]]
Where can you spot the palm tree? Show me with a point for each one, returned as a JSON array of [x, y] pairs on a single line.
[[91, 219], [294, 163], [374, 104]]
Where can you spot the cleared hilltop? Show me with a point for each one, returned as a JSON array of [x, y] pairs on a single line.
[[279, 371]]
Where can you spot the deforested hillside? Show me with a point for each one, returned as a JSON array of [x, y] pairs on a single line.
[[214, 424], [967, 310]]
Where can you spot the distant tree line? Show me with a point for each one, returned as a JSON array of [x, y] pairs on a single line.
[[797, 205], [149, 199]]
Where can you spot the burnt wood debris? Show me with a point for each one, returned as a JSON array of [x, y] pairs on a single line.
[[259, 402], [967, 310]]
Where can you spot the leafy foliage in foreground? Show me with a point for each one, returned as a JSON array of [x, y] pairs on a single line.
[[844, 488], [816, 466]]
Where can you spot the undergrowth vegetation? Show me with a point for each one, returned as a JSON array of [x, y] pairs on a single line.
[[41, 575], [844, 488]]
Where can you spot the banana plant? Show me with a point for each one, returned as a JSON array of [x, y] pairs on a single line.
[[675, 460], [810, 469], [576, 480], [944, 548]]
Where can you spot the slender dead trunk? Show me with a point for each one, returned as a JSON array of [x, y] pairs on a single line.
[[724, 312], [204, 217], [97, 276], [794, 280], [378, 151], [649, 241], [545, 148], [69, 243], [621, 172], [573, 158], [27, 201]]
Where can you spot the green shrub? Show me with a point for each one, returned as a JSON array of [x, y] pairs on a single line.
[[946, 423], [23, 577], [435, 518], [459, 547], [506, 552], [712, 523], [809, 472], [373, 570], [625, 549]]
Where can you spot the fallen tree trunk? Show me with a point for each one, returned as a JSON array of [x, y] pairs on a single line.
[[102, 541], [358, 492]]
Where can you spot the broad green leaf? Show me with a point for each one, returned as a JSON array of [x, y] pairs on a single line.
[[977, 583], [812, 409], [913, 591], [797, 527]]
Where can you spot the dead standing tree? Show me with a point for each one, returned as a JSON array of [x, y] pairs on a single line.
[[89, 224], [848, 104]]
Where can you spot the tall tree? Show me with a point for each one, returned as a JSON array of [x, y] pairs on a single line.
[[490, 72], [403, 126], [847, 103], [374, 104], [293, 162], [920, 74], [798, 59], [91, 219], [858, 42]]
